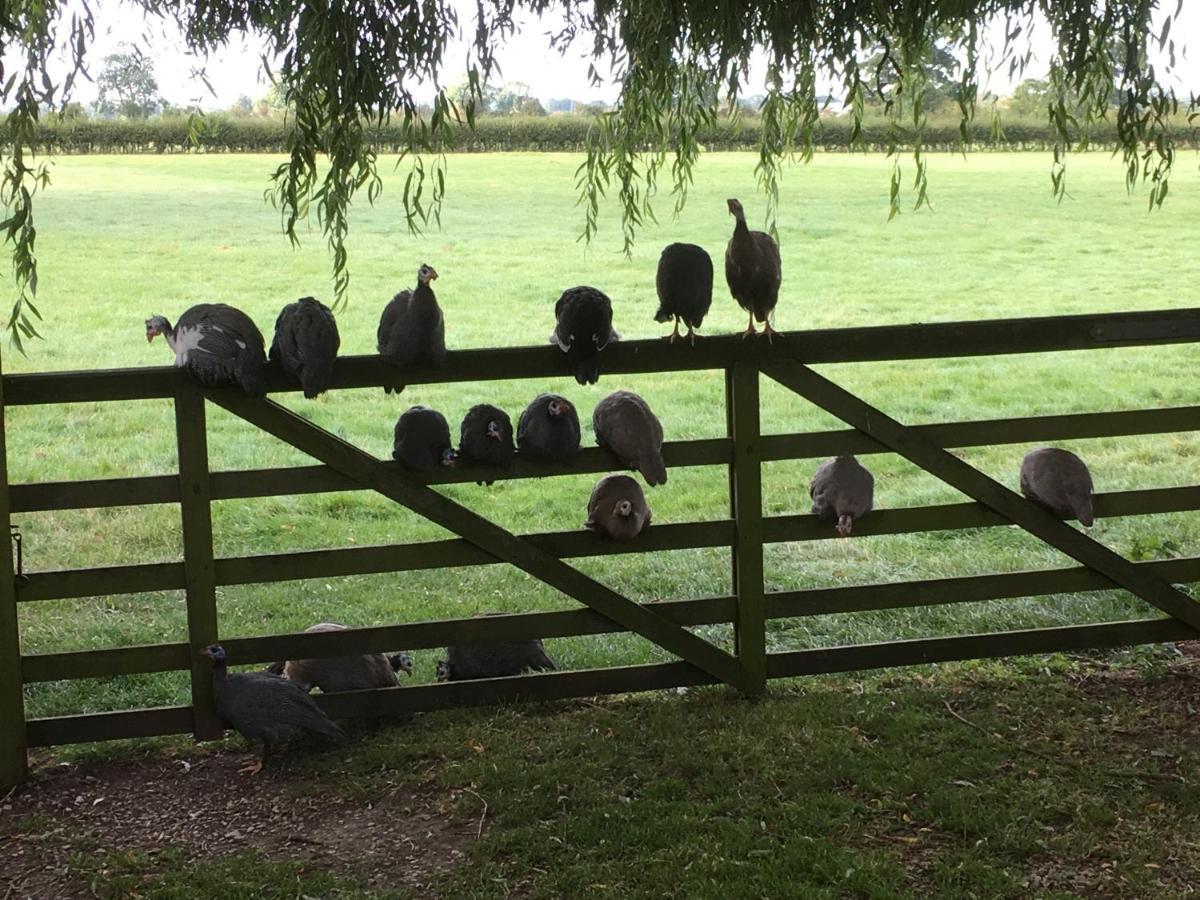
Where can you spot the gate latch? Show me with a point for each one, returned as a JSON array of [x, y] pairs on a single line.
[[19, 568]]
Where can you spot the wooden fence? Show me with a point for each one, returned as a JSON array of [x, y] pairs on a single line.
[[341, 466]]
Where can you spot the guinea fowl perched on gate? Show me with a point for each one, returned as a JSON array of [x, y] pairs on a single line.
[[752, 270], [344, 673], [412, 331], [548, 430], [267, 708], [685, 284], [486, 438], [493, 659], [218, 344], [583, 328], [422, 440], [625, 424], [842, 491], [306, 344], [1058, 480], [617, 508]]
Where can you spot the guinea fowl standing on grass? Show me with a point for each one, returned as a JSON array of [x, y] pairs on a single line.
[[422, 440], [625, 424], [617, 508], [486, 438], [685, 285], [306, 344], [344, 673], [267, 708], [412, 331], [842, 491], [752, 270], [218, 344], [548, 430], [493, 659], [583, 328], [1060, 481]]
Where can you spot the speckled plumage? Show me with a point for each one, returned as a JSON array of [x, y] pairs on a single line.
[[752, 268], [412, 330], [842, 492], [422, 439], [624, 423], [218, 344], [617, 508], [582, 329], [343, 673], [306, 344], [486, 438], [1060, 481], [685, 285], [493, 659], [543, 436]]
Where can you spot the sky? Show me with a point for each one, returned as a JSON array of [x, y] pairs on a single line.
[[526, 57]]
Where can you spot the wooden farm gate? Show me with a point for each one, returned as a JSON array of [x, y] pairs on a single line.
[[743, 450]]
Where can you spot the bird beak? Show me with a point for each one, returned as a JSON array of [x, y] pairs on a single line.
[[845, 523], [206, 652], [150, 335]]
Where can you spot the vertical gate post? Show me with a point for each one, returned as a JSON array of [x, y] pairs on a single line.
[[745, 501], [195, 497], [12, 699]]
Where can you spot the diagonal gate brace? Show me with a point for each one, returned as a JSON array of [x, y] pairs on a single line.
[[502, 544], [953, 471]]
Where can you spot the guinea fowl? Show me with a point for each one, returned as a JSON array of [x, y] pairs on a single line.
[[617, 508], [218, 344], [493, 659], [583, 328], [266, 708], [752, 270], [842, 491], [685, 285], [344, 673], [1060, 481], [412, 331], [422, 440], [306, 344], [548, 430], [486, 438], [625, 424]]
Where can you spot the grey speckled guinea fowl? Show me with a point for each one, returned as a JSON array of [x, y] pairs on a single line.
[[412, 330], [266, 708], [216, 343], [548, 430], [625, 424], [753, 271], [582, 329], [617, 508], [1060, 481], [421, 441], [485, 439], [842, 492], [345, 673], [493, 659], [684, 282], [306, 344]]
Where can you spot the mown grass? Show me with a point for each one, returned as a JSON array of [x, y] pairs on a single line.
[[121, 238]]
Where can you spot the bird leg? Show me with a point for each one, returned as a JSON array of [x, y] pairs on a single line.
[[670, 338], [691, 335], [252, 768], [750, 332], [769, 331]]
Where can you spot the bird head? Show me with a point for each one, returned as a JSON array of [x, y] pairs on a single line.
[[558, 407], [624, 509], [494, 431], [448, 456], [402, 662], [443, 670], [426, 274], [215, 652], [844, 524], [735, 207], [156, 325]]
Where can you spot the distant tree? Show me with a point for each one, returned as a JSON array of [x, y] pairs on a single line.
[[127, 86], [883, 67], [564, 105], [1030, 98], [530, 106], [594, 108]]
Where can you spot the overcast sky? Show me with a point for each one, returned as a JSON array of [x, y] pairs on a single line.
[[525, 58]]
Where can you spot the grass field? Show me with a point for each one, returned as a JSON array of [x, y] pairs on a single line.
[[124, 237]]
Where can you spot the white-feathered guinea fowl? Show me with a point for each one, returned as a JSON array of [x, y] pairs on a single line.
[[485, 438], [842, 491], [266, 708], [344, 673], [422, 440], [306, 344], [625, 424], [218, 344], [685, 285], [617, 508], [752, 270], [1060, 481], [412, 331], [583, 328], [548, 430], [493, 659]]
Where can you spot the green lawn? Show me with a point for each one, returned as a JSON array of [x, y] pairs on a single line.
[[121, 238]]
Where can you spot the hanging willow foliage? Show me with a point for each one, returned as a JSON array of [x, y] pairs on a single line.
[[350, 64]]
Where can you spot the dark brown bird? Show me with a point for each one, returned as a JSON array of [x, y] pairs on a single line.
[[548, 430], [617, 508], [493, 659], [306, 344], [842, 491], [625, 424], [422, 440], [412, 331], [1060, 481], [752, 269], [344, 673], [486, 438], [582, 329], [685, 285], [218, 344], [266, 708]]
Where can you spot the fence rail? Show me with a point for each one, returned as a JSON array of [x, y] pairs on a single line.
[[742, 528]]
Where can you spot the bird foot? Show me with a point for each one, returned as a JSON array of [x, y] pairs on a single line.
[[771, 332], [749, 332], [251, 768]]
